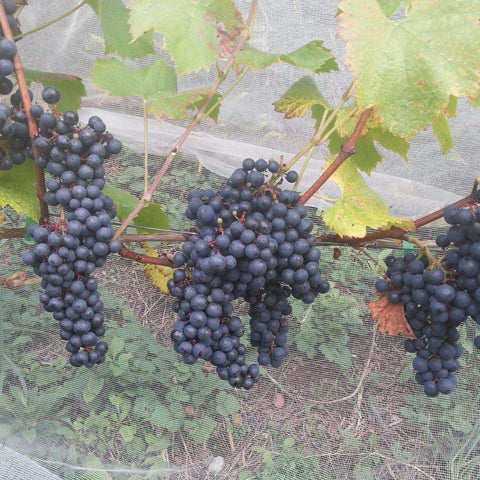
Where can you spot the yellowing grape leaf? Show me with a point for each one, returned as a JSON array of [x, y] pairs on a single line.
[[18, 189], [158, 274], [113, 16], [391, 318], [359, 207], [441, 129], [189, 28], [299, 98], [408, 69], [312, 56], [70, 86]]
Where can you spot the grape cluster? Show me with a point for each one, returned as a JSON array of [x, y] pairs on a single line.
[[15, 146], [8, 49], [254, 242], [67, 253], [438, 296]]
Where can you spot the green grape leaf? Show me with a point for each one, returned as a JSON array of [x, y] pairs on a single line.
[[451, 108], [152, 215], [226, 11], [312, 56], [299, 98], [175, 105], [366, 156], [200, 429], [389, 7], [226, 404], [113, 16], [254, 59], [441, 129], [18, 190], [93, 463], [165, 418], [390, 141], [359, 207], [70, 86], [408, 69], [189, 28], [122, 81], [199, 103], [92, 387], [127, 432]]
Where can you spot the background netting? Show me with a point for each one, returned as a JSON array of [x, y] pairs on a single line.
[[343, 406]]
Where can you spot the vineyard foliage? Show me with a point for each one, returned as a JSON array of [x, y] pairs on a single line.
[[407, 45]]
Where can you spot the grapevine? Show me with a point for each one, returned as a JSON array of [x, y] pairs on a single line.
[[252, 242]]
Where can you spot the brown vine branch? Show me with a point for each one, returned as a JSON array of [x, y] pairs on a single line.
[[347, 151], [27, 103], [12, 233], [141, 258], [196, 120], [398, 232]]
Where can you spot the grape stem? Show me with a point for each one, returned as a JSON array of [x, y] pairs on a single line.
[[347, 151], [27, 104], [147, 197], [399, 232], [145, 146], [422, 247], [146, 259], [319, 136]]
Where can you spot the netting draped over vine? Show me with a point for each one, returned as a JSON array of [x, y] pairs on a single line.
[[343, 406]]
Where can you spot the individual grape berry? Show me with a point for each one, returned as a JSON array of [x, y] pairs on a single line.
[[291, 176], [51, 95]]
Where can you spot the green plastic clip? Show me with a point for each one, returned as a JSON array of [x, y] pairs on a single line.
[[29, 222], [407, 247]]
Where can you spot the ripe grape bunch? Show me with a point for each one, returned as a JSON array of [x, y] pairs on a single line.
[[15, 144], [438, 296], [68, 252], [254, 242]]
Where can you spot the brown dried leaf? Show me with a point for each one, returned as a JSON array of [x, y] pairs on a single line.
[[190, 411], [208, 368], [238, 420], [336, 253], [391, 318], [278, 400]]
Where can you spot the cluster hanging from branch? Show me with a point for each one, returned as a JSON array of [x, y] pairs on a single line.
[[252, 239]]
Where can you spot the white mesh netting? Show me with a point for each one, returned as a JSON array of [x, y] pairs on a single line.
[[344, 405]]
